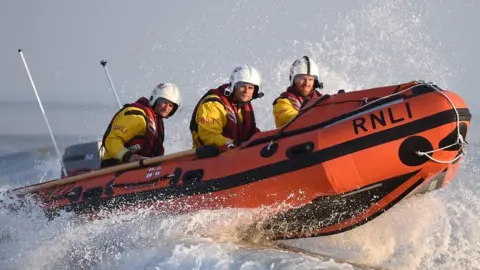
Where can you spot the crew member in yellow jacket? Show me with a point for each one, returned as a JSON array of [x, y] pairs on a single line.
[[137, 131], [304, 84], [225, 116]]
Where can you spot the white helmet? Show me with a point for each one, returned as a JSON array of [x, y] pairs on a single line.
[[168, 91], [247, 74], [305, 66]]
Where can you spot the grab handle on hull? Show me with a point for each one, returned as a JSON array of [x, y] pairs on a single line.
[[300, 149]]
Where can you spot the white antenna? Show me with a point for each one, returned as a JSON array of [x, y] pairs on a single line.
[[43, 112], [104, 64]]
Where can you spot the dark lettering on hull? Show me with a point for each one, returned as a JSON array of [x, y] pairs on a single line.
[[382, 118], [392, 117], [409, 111], [358, 123]]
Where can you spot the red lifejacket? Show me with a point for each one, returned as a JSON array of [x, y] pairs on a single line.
[[296, 99], [234, 129], [150, 144]]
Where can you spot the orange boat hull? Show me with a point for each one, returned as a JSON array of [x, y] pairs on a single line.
[[345, 160]]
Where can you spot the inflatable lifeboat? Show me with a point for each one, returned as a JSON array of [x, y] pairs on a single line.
[[345, 159]]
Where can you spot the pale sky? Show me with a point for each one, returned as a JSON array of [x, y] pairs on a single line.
[[144, 41], [196, 44]]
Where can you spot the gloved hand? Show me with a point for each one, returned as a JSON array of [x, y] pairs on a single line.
[[232, 144], [135, 157]]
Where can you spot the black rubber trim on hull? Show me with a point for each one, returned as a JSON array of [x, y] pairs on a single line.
[[373, 216], [327, 211], [282, 167]]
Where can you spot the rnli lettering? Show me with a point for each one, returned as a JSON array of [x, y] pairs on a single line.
[[120, 128], [280, 112], [206, 120], [135, 147], [381, 118]]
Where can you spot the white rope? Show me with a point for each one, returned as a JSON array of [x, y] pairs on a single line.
[[460, 140], [365, 100], [366, 103]]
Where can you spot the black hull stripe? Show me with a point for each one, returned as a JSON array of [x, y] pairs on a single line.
[[326, 211], [289, 165], [370, 218]]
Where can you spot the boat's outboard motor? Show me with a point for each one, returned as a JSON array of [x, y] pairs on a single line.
[[82, 158]]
